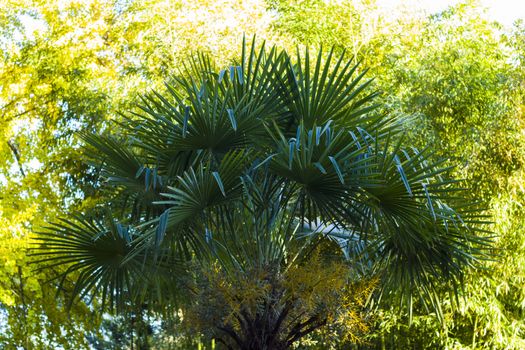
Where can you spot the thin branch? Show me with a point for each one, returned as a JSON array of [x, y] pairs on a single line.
[[229, 331], [14, 148], [297, 334], [220, 340], [24, 306], [282, 316]]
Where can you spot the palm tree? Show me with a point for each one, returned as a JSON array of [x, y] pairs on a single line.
[[256, 168]]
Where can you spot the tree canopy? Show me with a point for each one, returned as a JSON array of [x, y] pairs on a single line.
[[251, 168], [451, 81]]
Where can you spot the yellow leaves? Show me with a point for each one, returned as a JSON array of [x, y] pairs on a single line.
[[316, 289], [231, 293], [14, 221], [350, 315], [316, 277], [166, 31], [42, 88], [6, 298], [319, 284], [9, 264]]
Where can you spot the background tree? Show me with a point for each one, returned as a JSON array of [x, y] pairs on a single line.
[[456, 77], [66, 67]]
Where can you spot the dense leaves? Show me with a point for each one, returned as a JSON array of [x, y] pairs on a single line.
[[452, 80], [231, 167], [455, 76]]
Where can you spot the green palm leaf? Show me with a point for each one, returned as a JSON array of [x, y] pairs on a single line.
[[256, 165]]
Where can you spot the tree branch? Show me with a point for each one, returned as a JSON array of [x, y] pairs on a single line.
[[14, 148], [229, 331], [296, 333]]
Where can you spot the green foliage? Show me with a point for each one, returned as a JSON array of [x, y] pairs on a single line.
[[66, 67], [457, 78], [454, 79], [251, 168], [463, 87]]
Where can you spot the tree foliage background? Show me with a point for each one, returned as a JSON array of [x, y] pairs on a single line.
[[67, 66]]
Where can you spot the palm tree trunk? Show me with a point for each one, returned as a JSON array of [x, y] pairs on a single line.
[[266, 330]]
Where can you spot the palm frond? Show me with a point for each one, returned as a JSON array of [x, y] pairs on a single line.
[[255, 165], [329, 88]]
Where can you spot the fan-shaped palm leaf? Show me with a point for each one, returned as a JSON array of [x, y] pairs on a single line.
[[254, 163]]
